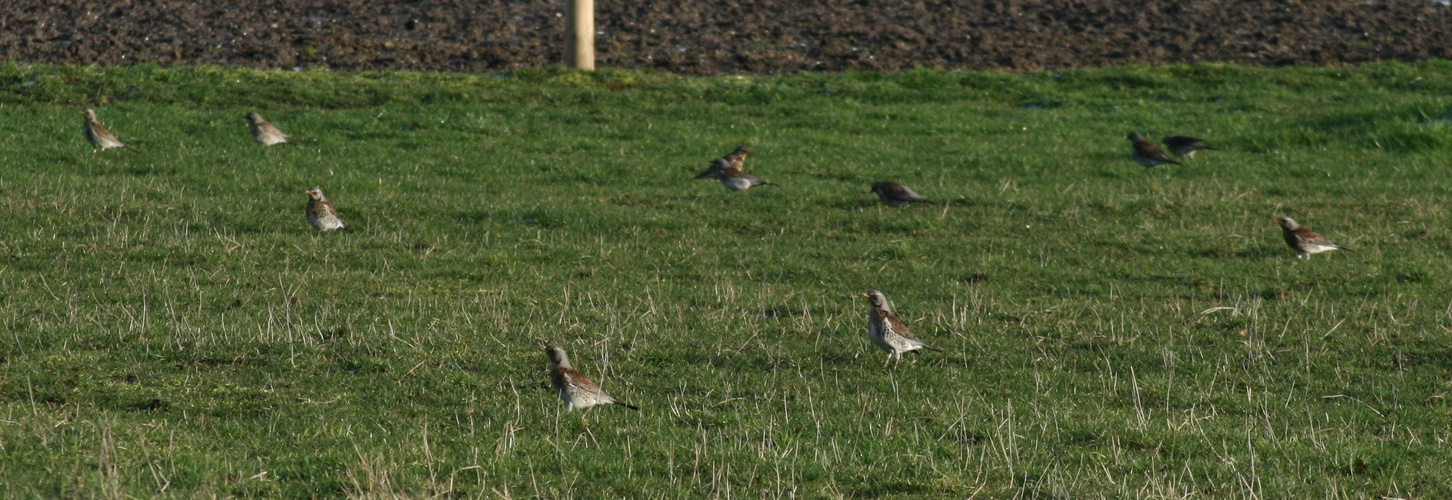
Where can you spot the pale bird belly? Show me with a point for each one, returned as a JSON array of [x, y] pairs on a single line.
[[325, 222], [737, 184]]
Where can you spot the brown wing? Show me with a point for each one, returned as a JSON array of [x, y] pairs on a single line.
[[897, 327], [581, 386], [1305, 234], [902, 192], [97, 133], [579, 381], [1147, 149]]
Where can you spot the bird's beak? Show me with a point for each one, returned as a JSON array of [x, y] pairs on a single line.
[[543, 350], [866, 295]]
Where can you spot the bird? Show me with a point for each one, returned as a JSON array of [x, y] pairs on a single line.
[[1146, 153], [895, 194], [100, 138], [1184, 145], [321, 213], [728, 170], [1305, 241], [572, 387], [737, 157], [263, 131], [888, 332]]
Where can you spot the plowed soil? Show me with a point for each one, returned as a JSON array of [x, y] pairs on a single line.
[[727, 36]]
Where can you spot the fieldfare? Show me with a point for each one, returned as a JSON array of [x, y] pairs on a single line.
[[1303, 240], [264, 132], [728, 170], [100, 138], [1146, 153], [737, 157], [896, 194], [888, 332], [572, 387], [1185, 146], [321, 213]]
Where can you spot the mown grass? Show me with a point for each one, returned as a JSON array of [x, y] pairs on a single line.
[[173, 328]]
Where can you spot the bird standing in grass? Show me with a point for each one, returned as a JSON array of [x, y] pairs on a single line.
[[572, 387], [737, 157], [321, 213], [263, 131], [1305, 241], [1145, 152], [1185, 146], [888, 332], [728, 170], [100, 138], [896, 194]]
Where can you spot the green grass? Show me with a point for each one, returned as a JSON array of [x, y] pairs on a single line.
[[171, 327]]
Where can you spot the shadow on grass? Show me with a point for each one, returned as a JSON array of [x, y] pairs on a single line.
[[1252, 253], [853, 203]]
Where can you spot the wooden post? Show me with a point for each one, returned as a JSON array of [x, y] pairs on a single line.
[[580, 34]]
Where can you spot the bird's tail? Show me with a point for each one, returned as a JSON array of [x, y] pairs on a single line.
[[1349, 249], [931, 348], [628, 405]]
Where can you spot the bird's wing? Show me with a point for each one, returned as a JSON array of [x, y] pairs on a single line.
[[1147, 149], [582, 383], [717, 165], [1308, 236], [895, 325], [1184, 142], [328, 206]]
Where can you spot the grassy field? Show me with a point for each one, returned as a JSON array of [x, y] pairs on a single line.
[[172, 327]]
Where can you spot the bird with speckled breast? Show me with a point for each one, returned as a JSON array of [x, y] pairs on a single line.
[[572, 387], [1145, 153], [100, 138], [263, 131], [321, 213], [888, 332]]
